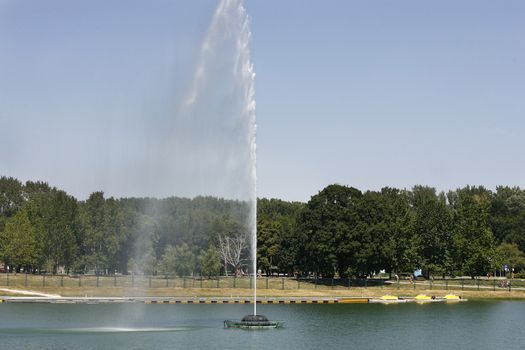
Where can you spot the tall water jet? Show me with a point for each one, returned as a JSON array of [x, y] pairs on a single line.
[[219, 111]]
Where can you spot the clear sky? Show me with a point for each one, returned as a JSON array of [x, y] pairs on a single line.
[[362, 93]]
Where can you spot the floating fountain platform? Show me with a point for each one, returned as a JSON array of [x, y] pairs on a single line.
[[253, 322]]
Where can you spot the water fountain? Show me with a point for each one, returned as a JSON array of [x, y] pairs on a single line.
[[253, 322], [225, 69]]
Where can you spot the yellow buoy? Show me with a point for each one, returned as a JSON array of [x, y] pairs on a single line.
[[451, 297]]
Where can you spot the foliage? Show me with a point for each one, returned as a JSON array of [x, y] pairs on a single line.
[[339, 231], [209, 261], [277, 237], [18, 243], [178, 260], [329, 225], [507, 215], [433, 231], [11, 198], [474, 242], [511, 255]]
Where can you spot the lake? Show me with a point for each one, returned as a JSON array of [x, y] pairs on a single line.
[[468, 325]]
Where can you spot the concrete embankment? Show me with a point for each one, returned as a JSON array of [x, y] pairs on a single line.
[[221, 300], [169, 300]]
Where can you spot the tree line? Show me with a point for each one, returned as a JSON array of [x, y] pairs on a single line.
[[346, 232], [43, 229], [340, 231]]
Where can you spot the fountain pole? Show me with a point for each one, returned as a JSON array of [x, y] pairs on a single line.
[[253, 215], [254, 245]]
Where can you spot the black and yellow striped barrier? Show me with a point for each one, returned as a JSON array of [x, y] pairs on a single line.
[[249, 301], [175, 300]]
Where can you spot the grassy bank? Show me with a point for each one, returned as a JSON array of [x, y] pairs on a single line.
[[266, 293], [158, 286], [204, 292]]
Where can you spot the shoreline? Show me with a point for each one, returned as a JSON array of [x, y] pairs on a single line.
[[272, 295]]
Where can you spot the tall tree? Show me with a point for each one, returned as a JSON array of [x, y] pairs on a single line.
[[326, 231], [105, 234], [232, 248], [474, 242], [278, 242], [399, 248], [507, 215], [11, 198], [178, 260], [433, 231], [62, 226], [93, 221], [209, 261], [18, 243], [115, 235], [511, 255], [268, 232]]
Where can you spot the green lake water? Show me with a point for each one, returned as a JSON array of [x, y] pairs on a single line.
[[468, 325]]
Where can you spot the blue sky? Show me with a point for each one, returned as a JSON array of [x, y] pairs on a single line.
[[363, 93]]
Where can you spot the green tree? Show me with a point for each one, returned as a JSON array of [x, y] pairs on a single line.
[[104, 234], [11, 198], [278, 241], [209, 261], [510, 254], [149, 262], [268, 247], [433, 229], [115, 235], [92, 218], [18, 243], [326, 231], [507, 215], [371, 233], [474, 242], [399, 246], [145, 264], [54, 216], [178, 260], [32, 188]]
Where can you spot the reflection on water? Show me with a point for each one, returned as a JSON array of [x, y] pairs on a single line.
[[95, 330], [469, 325]]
